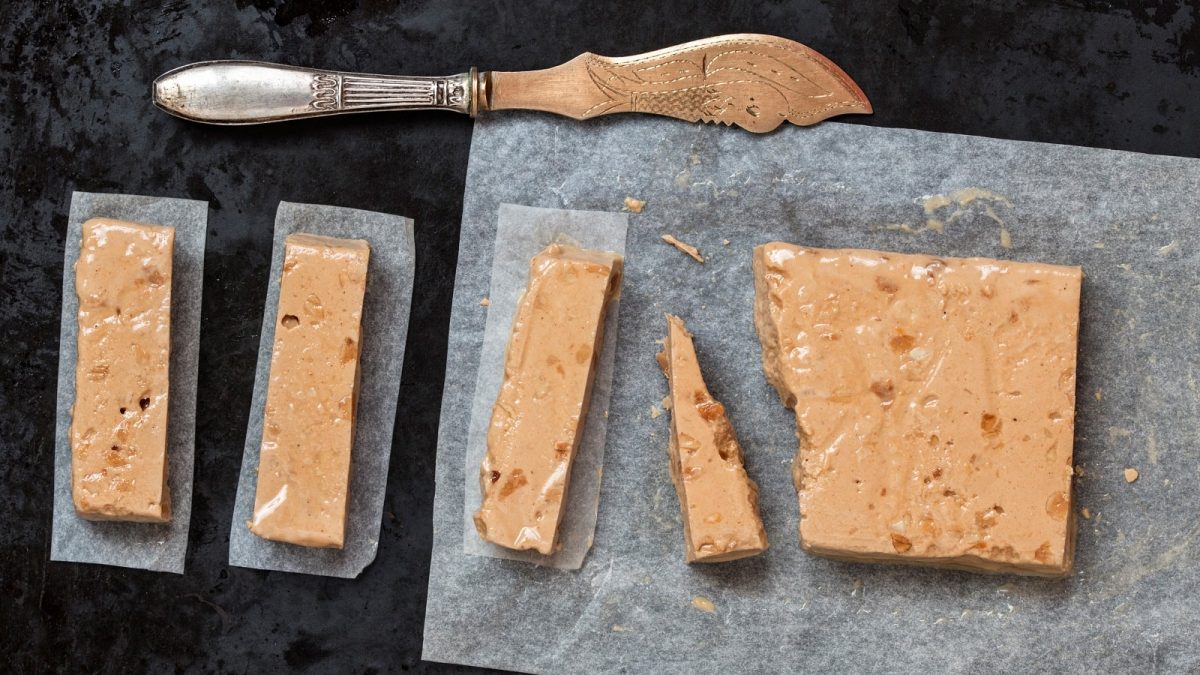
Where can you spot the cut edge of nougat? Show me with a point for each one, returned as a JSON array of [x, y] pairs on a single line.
[[965, 563]]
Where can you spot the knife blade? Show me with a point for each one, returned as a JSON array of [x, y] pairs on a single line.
[[756, 82]]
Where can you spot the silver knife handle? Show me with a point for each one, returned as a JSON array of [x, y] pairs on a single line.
[[251, 92]]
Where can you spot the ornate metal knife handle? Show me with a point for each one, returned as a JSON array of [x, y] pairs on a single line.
[[754, 81], [251, 92]]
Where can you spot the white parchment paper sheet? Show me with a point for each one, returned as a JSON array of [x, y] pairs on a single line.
[[521, 233], [151, 546], [1133, 603], [384, 330]]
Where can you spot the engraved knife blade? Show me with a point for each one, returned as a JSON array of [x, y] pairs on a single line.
[[754, 81]]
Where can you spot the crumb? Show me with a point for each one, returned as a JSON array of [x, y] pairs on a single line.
[[618, 628], [704, 604], [1169, 248], [724, 242], [686, 248], [1131, 475], [1099, 395], [634, 205], [654, 412], [1087, 515], [1098, 244], [485, 302], [666, 403], [1079, 470], [1005, 238]]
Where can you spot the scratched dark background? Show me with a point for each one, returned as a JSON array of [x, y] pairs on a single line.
[[75, 114]]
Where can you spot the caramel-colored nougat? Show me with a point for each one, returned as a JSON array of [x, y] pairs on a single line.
[[119, 420], [934, 400], [312, 394], [538, 418], [719, 502]]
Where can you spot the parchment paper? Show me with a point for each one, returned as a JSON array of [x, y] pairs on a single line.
[[151, 546], [522, 232], [384, 330], [1128, 219]]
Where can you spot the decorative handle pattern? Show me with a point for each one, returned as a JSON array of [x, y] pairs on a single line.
[[345, 92]]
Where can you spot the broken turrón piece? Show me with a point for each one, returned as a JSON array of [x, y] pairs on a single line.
[[935, 402], [538, 419], [718, 501]]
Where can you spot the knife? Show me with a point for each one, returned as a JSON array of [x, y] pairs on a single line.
[[754, 81]]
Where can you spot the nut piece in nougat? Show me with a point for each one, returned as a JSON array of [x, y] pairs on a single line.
[[119, 420], [538, 418], [718, 500], [934, 400], [312, 393]]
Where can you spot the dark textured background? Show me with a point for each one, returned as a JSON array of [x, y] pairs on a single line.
[[75, 114]]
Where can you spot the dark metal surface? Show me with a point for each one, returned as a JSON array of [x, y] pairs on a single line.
[[75, 113]]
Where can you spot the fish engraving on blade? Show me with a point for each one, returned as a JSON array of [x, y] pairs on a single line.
[[756, 83]]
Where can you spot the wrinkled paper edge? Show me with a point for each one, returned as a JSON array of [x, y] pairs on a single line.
[[521, 233], [159, 547], [386, 309]]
